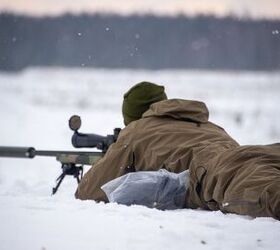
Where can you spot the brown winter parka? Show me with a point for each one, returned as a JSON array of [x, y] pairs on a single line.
[[177, 135]]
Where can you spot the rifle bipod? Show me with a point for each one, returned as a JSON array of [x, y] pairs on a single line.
[[68, 169]]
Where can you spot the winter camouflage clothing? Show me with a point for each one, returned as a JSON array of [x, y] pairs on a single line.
[[176, 135]]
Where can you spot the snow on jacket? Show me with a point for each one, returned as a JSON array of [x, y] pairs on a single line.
[[176, 135]]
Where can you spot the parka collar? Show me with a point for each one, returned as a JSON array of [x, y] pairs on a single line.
[[179, 109]]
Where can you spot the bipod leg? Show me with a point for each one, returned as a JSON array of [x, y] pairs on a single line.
[[80, 174], [78, 179], [69, 169], [59, 179]]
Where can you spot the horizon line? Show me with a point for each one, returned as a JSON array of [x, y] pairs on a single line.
[[232, 15]]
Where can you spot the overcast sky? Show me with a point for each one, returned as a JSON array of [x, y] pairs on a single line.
[[256, 8]]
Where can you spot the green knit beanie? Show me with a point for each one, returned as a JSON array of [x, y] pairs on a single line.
[[139, 98]]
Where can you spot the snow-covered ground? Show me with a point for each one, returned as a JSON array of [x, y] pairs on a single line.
[[35, 106]]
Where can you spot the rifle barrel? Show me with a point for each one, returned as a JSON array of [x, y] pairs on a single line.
[[30, 152], [57, 153]]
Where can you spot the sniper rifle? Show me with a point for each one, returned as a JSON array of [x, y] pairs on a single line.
[[72, 162]]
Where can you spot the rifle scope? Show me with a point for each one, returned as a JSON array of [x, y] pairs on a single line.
[[80, 140]]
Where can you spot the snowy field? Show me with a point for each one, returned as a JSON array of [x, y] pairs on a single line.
[[35, 106]]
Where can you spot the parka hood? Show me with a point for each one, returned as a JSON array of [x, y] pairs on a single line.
[[179, 109]]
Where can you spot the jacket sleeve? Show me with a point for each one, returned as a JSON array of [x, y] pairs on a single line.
[[115, 163]]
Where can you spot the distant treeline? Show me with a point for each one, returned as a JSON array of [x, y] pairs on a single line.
[[202, 42]]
